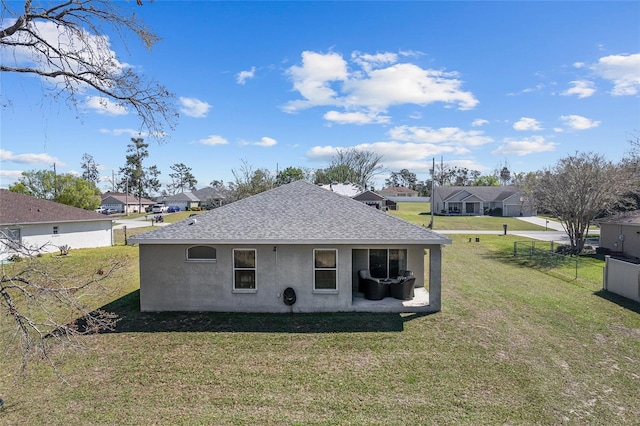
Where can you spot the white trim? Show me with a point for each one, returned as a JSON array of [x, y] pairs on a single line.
[[324, 290], [254, 269], [188, 259]]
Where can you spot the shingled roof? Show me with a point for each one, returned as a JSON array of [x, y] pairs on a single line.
[[296, 213], [485, 193], [23, 209]]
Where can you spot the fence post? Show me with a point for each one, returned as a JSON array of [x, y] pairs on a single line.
[[576, 269]]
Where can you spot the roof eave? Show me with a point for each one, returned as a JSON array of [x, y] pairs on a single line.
[[426, 242]]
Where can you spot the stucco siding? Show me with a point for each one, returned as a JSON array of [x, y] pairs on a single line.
[[168, 282], [610, 238]]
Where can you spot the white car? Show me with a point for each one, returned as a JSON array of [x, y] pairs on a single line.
[[159, 208]]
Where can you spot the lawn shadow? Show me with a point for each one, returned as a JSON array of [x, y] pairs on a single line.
[[130, 319], [619, 300]]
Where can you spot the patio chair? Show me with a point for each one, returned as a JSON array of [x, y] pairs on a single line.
[[363, 274], [403, 290], [374, 289]]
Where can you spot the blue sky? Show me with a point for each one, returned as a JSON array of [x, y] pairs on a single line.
[[278, 84]]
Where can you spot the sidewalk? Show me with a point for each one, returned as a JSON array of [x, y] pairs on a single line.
[[550, 224]]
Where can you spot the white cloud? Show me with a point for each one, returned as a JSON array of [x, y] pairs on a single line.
[[479, 122], [103, 105], [374, 83], [193, 107], [526, 146], [213, 140], [356, 117], [451, 136], [581, 88], [526, 123], [119, 132], [243, 76], [265, 142], [29, 158], [622, 70], [577, 122]]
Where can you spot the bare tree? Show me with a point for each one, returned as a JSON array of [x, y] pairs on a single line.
[[250, 182], [578, 189], [65, 43], [41, 309]]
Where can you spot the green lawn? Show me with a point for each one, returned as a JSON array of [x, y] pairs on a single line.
[[420, 213], [512, 345]]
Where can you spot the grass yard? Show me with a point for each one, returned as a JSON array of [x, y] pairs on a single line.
[[420, 213], [512, 345]]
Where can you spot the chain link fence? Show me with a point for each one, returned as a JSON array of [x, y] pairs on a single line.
[[544, 255]]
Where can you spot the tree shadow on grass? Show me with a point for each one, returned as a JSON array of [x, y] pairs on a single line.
[[130, 319], [619, 300]]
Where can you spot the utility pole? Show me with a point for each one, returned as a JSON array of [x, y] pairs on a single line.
[[433, 187]]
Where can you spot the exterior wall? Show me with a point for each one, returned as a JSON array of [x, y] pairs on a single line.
[[169, 283], [74, 234], [622, 278], [119, 207], [610, 238], [512, 206]]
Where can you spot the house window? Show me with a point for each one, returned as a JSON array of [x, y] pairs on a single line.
[[325, 269], [12, 238], [201, 253], [387, 263], [55, 230], [244, 269]]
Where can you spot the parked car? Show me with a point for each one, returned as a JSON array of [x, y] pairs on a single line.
[[100, 210], [173, 209], [159, 208], [109, 211]]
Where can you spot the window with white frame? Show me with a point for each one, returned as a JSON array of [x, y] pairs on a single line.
[[325, 269], [244, 269], [387, 263], [201, 254]]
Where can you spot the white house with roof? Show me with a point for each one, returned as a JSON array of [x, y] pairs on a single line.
[[30, 225], [481, 200], [251, 255]]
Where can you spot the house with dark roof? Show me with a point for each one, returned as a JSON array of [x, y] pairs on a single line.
[[295, 248], [183, 200], [372, 199], [481, 200], [30, 225], [620, 240], [125, 203]]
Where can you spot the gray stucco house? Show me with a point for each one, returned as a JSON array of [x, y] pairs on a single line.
[[242, 256], [481, 200]]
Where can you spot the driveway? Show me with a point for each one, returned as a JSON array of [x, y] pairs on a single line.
[[139, 222]]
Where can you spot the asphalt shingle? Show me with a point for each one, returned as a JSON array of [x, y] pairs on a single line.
[[297, 213]]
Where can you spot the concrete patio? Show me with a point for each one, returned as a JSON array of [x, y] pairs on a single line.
[[419, 304]]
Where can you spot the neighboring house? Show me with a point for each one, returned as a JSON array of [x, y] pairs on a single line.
[[183, 200], [46, 226], [347, 189], [398, 191], [125, 203], [481, 200], [370, 198], [241, 257], [620, 237], [211, 197]]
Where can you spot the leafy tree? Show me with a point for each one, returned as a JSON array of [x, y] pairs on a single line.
[[65, 43], [61, 188], [90, 171], [135, 177], [505, 175], [486, 180], [580, 188], [216, 184], [182, 178], [290, 174], [250, 182], [351, 165], [403, 178]]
